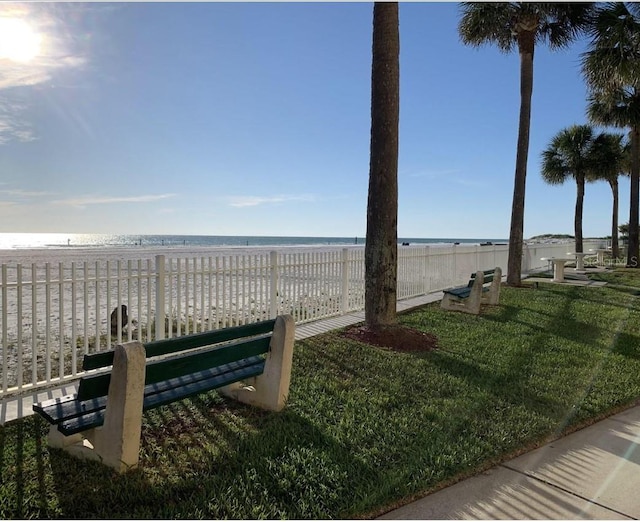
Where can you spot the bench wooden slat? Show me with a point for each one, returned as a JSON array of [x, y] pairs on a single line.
[[463, 291], [188, 390], [67, 407], [484, 272], [98, 385], [488, 276], [166, 396], [186, 342], [459, 292], [54, 410]]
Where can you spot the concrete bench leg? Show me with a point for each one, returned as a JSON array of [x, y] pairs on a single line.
[[469, 305], [473, 302], [494, 290], [271, 389], [451, 302], [56, 439], [117, 442]]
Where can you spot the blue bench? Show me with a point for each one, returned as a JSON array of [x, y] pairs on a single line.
[[103, 420], [469, 298]]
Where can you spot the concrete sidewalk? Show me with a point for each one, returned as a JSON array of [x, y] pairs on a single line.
[[593, 473]]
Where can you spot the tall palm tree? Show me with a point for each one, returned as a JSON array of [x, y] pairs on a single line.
[[611, 67], [521, 25], [609, 160], [381, 247], [568, 156]]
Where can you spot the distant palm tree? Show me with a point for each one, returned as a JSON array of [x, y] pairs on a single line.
[[624, 231], [521, 25], [612, 70], [381, 247], [569, 155], [609, 160]]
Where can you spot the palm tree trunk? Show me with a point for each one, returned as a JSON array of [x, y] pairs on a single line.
[[615, 247], [514, 263], [577, 220], [381, 247], [632, 254]]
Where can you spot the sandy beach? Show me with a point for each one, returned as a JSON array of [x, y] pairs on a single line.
[[125, 253]]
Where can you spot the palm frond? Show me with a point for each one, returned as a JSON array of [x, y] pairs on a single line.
[[553, 168], [607, 157], [608, 68], [500, 23], [619, 107], [564, 22], [485, 23], [613, 58], [568, 154]]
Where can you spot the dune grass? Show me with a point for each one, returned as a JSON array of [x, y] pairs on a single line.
[[365, 428]]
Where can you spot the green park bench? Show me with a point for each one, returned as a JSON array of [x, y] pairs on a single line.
[[103, 420], [469, 298]]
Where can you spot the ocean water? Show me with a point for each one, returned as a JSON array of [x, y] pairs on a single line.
[[10, 241]]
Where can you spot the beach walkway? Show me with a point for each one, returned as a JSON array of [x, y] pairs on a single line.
[[19, 406]]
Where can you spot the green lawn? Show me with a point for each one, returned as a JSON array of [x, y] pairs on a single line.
[[365, 427]]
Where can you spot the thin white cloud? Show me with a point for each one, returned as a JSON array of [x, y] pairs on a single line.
[[22, 75], [254, 201], [25, 193], [85, 201], [56, 53], [12, 126]]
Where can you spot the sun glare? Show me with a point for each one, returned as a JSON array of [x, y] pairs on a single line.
[[18, 41]]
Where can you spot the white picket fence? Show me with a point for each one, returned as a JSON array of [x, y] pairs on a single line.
[[53, 314]]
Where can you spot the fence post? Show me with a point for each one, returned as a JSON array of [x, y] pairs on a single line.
[[455, 266], [273, 308], [5, 351], [345, 281], [526, 261], [160, 297], [426, 273]]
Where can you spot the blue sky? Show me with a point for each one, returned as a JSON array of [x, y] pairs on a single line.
[[254, 119]]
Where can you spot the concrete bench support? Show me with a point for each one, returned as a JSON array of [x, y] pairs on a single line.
[[492, 297], [270, 390], [117, 442]]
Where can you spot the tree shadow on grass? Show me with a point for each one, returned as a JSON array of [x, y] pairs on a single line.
[[562, 322], [213, 458], [623, 343], [592, 294], [23, 491], [507, 386], [627, 345]]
